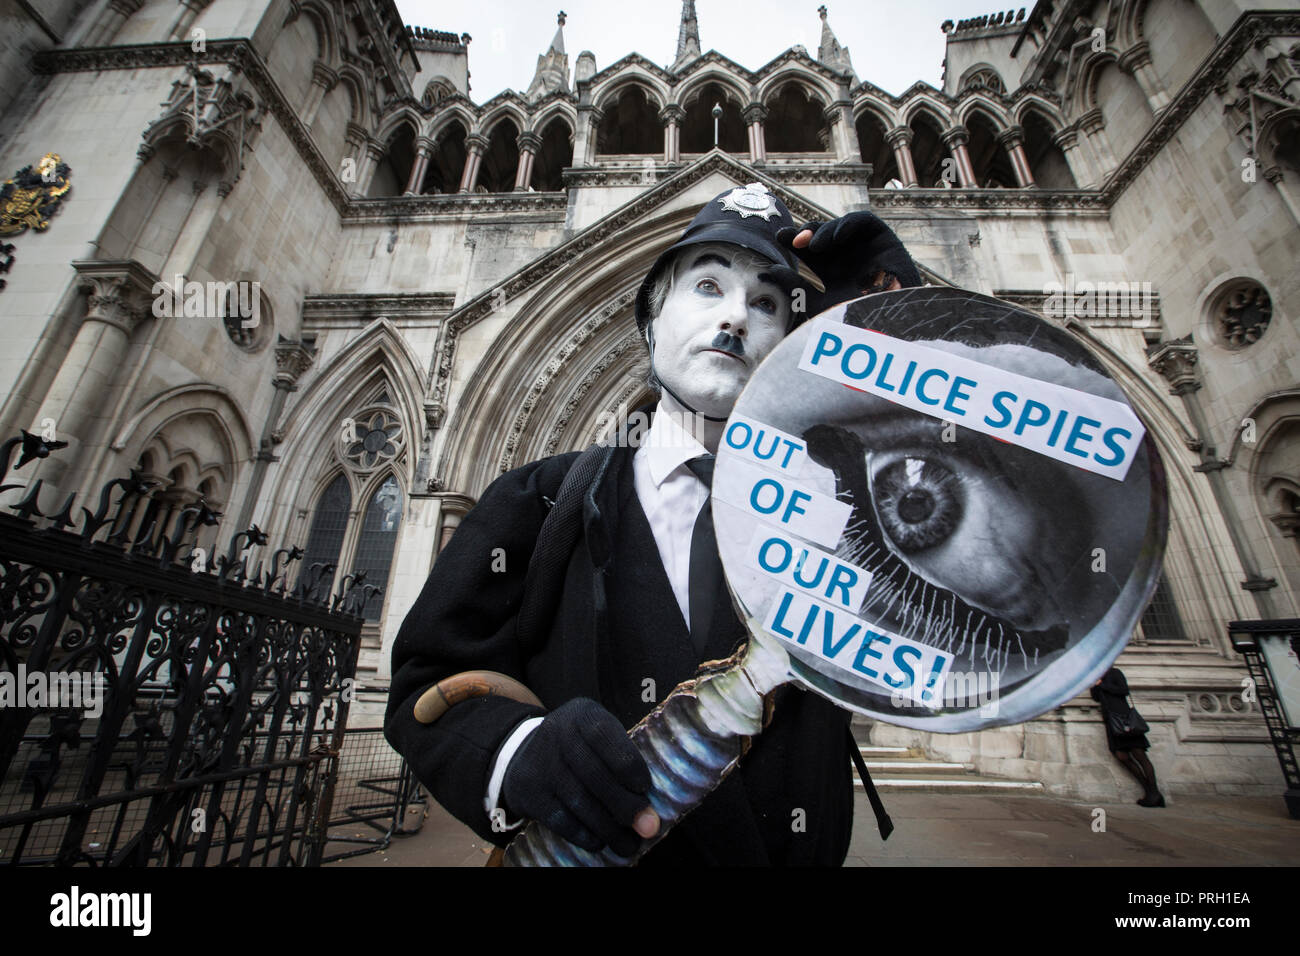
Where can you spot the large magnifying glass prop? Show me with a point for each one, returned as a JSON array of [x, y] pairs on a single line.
[[932, 508]]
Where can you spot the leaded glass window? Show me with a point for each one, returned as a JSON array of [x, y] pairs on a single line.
[[328, 526], [378, 537], [1160, 621]]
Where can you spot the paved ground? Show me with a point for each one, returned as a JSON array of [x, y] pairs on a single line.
[[989, 830]]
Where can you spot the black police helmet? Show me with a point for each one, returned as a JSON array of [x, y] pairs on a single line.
[[746, 216]]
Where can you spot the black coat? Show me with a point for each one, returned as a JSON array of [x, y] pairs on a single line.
[[789, 802], [1112, 694]]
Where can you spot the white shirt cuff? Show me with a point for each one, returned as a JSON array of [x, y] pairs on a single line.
[[508, 749]]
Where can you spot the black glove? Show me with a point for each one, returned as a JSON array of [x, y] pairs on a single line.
[[848, 253], [579, 775]]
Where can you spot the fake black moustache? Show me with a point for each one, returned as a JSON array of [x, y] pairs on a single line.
[[729, 343]]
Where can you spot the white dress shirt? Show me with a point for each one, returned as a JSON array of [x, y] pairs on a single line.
[[671, 496]]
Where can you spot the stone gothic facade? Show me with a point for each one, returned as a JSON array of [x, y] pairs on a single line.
[[424, 291]]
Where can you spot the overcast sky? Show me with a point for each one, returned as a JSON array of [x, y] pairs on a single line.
[[893, 44]]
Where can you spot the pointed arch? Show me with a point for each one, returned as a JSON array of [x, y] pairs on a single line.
[[1081, 89], [379, 356], [697, 125], [519, 402], [981, 105], [655, 91], [814, 84], [982, 76], [630, 122], [736, 90], [796, 120], [155, 412], [456, 113], [878, 109], [392, 123], [327, 29], [927, 106], [1039, 103], [561, 110], [351, 77], [507, 109]]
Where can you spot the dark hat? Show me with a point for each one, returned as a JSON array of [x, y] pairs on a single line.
[[747, 216]]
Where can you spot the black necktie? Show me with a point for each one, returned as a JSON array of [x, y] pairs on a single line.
[[705, 568]]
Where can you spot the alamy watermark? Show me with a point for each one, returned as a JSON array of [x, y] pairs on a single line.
[[961, 689], [1111, 300], [56, 690], [632, 428], [219, 300]]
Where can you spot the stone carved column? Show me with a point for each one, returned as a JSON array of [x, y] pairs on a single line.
[[423, 150], [529, 144], [1068, 140], [754, 114], [374, 152], [1094, 128], [839, 118], [1136, 60], [322, 81], [671, 116], [900, 140], [1012, 139], [956, 138], [477, 145], [119, 295], [110, 21]]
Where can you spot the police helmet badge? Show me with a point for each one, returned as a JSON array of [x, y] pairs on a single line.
[[750, 200]]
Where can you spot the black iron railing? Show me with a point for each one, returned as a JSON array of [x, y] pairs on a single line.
[[158, 708]]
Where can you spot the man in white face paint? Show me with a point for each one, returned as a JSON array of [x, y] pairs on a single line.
[[621, 597]]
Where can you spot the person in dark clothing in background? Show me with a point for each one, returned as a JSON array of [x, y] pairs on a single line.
[[1111, 692], [630, 621]]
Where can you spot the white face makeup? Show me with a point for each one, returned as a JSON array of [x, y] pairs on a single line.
[[717, 289]]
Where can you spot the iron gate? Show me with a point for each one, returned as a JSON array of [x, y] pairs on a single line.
[[157, 708]]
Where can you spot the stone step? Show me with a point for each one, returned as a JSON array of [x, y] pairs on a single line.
[[916, 766], [870, 751], [911, 769], [971, 784]]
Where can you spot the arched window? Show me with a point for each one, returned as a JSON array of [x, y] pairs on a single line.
[[988, 157], [501, 161], [630, 125], [556, 152], [1160, 621], [378, 536], [796, 122], [393, 171], [697, 127], [875, 149], [328, 526]]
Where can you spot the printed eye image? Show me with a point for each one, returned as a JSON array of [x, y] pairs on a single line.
[[919, 502], [1003, 557]]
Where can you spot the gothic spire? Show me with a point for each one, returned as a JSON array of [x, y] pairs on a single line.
[[688, 37], [829, 51], [552, 67], [558, 43]]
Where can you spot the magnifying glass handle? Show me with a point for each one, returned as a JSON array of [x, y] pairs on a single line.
[[690, 742]]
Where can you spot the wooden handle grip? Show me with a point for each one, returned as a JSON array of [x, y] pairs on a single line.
[[448, 692]]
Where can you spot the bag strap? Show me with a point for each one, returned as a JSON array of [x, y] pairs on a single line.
[[556, 540], [883, 823]]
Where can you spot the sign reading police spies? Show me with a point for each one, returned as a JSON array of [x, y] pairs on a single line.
[[1084, 430], [937, 577]]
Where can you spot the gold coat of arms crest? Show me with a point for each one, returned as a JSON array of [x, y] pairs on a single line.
[[29, 199]]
